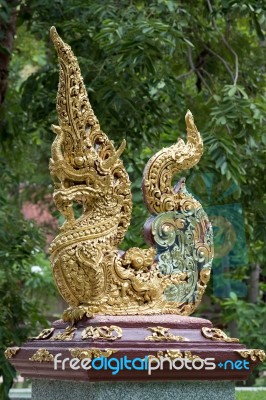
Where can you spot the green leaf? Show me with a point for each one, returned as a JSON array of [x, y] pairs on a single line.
[[188, 42], [216, 97], [233, 296], [224, 167], [232, 91]]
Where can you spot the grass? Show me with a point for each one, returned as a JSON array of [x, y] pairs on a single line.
[[256, 395]]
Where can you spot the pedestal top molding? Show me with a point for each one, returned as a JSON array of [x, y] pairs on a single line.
[[178, 339], [134, 304]]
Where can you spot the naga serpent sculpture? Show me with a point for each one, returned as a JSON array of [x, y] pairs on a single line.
[[92, 275]]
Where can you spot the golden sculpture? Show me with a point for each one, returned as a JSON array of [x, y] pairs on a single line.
[[90, 272]]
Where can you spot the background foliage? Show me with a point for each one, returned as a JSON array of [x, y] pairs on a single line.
[[144, 63]]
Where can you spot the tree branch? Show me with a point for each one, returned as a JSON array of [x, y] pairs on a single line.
[[225, 43], [8, 32], [222, 60], [185, 74], [192, 66]]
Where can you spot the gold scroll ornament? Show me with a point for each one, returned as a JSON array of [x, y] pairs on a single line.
[[44, 334], [82, 353], [11, 351], [253, 354], [68, 334], [217, 335], [174, 354], [42, 355], [103, 332], [161, 334]]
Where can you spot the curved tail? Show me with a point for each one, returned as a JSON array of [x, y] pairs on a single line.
[[159, 195]]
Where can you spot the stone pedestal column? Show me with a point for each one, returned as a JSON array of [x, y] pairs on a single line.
[[71, 390]]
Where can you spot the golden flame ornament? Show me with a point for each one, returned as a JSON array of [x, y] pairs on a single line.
[[90, 273]]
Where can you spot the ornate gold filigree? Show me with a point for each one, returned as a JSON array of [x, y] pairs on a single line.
[[253, 354], [102, 332], [11, 351], [42, 355], [81, 353], [217, 335], [90, 272], [44, 334], [75, 314], [160, 334], [68, 334], [173, 354]]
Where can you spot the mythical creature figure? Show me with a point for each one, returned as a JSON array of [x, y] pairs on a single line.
[[92, 275]]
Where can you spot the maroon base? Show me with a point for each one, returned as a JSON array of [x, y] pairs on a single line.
[[133, 344]]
